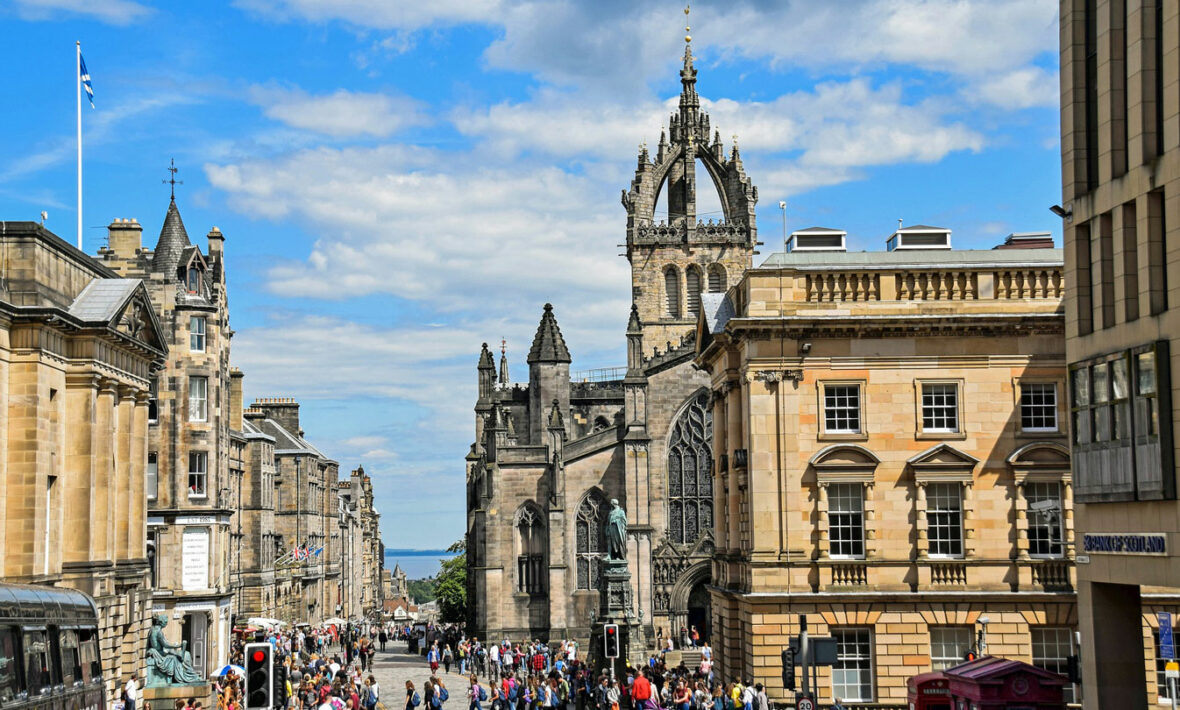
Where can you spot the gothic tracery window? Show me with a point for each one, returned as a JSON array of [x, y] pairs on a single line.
[[590, 545], [690, 478], [530, 561]]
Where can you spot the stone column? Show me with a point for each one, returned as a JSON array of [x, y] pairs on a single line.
[[139, 443], [125, 502], [1021, 505], [104, 471], [923, 536], [969, 519], [870, 522], [1067, 519], [80, 441], [822, 516]]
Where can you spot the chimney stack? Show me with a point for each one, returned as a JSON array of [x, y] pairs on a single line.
[[235, 399], [124, 237], [216, 243], [283, 410]]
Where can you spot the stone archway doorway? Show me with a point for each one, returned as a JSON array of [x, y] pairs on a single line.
[[698, 610]]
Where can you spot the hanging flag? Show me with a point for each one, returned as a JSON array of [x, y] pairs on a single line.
[[317, 552], [84, 76]]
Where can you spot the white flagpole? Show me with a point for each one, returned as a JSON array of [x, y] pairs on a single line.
[[78, 79]]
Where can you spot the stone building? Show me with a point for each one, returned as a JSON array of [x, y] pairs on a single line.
[[78, 349], [890, 431], [362, 565], [190, 486], [1120, 152], [306, 514], [255, 541], [550, 453]]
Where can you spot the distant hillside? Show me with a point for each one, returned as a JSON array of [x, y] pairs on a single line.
[[422, 590]]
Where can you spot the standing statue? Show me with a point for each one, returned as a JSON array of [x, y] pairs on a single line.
[[168, 663], [616, 532]]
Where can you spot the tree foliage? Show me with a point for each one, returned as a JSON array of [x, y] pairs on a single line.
[[451, 590], [422, 590]]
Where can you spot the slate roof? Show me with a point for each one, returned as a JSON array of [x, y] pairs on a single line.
[[548, 345], [922, 228], [717, 310], [173, 240], [918, 259], [253, 432], [102, 299], [288, 443]]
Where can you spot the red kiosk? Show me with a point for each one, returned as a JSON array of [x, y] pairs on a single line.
[[988, 683]]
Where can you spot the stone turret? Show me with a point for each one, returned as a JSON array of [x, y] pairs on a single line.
[[173, 240], [549, 374]]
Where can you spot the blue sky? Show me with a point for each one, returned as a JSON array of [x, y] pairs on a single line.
[[399, 182]]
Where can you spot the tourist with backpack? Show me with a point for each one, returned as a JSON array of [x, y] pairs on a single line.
[[413, 700]]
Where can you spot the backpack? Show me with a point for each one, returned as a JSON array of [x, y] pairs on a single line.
[[416, 700], [444, 695], [512, 692], [435, 701], [483, 694]]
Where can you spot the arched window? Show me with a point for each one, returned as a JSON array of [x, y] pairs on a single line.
[[717, 278], [590, 545], [671, 293], [194, 280], [690, 478], [530, 560], [692, 280]]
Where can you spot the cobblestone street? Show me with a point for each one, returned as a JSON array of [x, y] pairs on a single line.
[[394, 667]]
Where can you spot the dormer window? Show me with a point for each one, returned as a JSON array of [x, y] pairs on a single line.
[[194, 279]]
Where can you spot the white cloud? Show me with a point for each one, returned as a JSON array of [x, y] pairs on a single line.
[[1026, 87], [115, 12], [837, 125], [377, 14], [341, 114]]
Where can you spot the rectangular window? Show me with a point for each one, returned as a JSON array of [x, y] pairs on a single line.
[[1051, 648], [38, 676], [1084, 284], [154, 403], [198, 473], [1105, 285], [949, 645], [1130, 261], [1090, 93], [196, 334], [842, 409], [852, 674], [944, 519], [151, 475], [1038, 406], [1044, 518], [940, 407], [846, 520], [9, 678], [1157, 253], [198, 399]]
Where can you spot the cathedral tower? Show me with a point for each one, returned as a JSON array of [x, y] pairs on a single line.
[[674, 260]]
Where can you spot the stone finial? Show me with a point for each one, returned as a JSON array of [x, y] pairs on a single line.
[[556, 421], [548, 344], [485, 359]]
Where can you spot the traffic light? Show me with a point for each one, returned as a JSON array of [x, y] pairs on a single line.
[[259, 676], [610, 640], [789, 668], [969, 655], [1073, 669]]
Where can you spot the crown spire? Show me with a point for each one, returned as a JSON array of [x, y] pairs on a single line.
[[503, 361], [548, 345]]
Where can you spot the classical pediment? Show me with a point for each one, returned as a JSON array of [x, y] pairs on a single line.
[[138, 321], [703, 547], [844, 456], [1040, 459], [943, 461], [122, 306]]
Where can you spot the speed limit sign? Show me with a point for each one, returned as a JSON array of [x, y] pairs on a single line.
[[805, 704]]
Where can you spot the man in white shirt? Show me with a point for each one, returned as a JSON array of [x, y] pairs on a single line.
[[494, 657], [130, 693]]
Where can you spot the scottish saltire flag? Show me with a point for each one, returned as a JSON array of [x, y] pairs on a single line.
[[84, 76]]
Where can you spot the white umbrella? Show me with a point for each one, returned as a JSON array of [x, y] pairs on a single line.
[[263, 621], [335, 620]]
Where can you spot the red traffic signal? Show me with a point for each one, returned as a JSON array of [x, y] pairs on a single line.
[[610, 640], [259, 656]]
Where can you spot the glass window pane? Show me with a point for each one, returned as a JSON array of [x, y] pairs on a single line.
[[842, 408], [846, 520], [949, 645], [1146, 372], [852, 674], [1038, 407], [944, 519], [1051, 649], [1119, 379], [1044, 518], [1081, 387], [940, 407], [9, 672], [1100, 382], [37, 674]]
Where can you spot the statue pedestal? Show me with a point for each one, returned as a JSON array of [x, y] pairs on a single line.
[[164, 697], [615, 607]]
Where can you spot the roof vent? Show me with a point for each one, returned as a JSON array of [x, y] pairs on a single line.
[[919, 236], [817, 239], [1027, 240]]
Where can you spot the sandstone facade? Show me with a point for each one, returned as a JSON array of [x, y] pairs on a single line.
[[891, 436], [79, 347]]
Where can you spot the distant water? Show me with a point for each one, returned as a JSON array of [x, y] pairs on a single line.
[[418, 564]]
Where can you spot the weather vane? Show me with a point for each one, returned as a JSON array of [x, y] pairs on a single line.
[[687, 27], [503, 345], [173, 182]]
